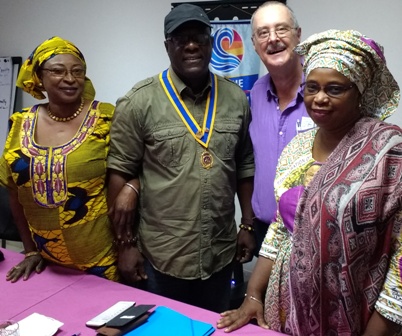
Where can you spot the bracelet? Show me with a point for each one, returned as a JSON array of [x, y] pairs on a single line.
[[247, 221], [246, 227], [31, 254], [129, 242], [132, 187], [254, 299]]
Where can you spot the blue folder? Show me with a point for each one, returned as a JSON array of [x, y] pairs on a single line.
[[167, 322]]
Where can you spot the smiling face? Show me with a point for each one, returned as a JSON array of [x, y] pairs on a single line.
[[334, 114], [275, 51], [190, 53], [63, 89]]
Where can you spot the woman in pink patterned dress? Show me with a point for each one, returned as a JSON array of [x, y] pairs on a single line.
[[346, 260]]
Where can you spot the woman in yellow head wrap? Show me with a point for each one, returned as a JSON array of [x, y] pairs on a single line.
[[53, 165], [29, 77]]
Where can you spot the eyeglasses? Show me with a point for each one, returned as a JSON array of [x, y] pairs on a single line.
[[62, 72], [263, 34], [182, 40], [331, 90]]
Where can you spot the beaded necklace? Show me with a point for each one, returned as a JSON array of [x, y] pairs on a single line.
[[71, 117]]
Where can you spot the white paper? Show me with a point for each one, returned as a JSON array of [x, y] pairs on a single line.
[[6, 75], [39, 325]]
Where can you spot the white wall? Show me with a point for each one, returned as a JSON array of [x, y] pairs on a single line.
[[122, 40], [377, 19]]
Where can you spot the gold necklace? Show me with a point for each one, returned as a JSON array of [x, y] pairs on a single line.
[[71, 117]]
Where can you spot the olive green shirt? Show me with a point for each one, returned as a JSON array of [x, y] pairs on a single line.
[[187, 227]]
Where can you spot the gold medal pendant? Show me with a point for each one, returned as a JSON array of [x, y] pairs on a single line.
[[201, 135], [206, 159]]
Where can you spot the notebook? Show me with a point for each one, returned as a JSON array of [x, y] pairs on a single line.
[[168, 322]]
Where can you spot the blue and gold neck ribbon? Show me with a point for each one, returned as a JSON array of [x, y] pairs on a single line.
[[201, 135]]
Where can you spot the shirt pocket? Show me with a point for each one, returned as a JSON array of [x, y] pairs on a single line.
[[172, 147], [225, 140]]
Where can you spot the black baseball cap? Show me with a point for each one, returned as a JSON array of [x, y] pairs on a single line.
[[184, 13]]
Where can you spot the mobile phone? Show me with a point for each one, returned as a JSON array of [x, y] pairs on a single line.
[[110, 313], [128, 316]]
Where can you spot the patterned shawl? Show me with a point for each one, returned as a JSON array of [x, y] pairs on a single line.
[[342, 232]]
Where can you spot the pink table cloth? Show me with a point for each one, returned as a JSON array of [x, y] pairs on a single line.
[[73, 297]]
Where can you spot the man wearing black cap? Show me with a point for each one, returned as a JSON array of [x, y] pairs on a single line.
[[184, 134]]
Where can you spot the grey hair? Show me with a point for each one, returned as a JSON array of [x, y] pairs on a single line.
[[276, 3]]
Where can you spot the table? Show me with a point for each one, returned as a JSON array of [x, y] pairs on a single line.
[[74, 297]]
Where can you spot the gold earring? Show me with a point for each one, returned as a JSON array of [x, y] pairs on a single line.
[[40, 84]]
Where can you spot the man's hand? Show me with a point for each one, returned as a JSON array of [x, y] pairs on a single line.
[[122, 212], [245, 246], [131, 264]]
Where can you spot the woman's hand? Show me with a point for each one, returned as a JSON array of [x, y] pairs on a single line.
[[26, 267], [378, 325], [237, 318], [131, 264]]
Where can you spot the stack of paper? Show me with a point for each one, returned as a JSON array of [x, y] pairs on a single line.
[[39, 325], [167, 322]]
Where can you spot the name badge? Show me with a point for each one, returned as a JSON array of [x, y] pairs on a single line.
[[306, 123]]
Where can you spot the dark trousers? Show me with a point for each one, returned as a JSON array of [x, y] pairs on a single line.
[[261, 229], [212, 294]]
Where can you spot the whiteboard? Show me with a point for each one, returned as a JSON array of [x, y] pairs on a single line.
[[9, 67]]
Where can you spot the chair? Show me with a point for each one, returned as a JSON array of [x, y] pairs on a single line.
[[8, 230]]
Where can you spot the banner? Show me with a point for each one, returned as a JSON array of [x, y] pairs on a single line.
[[233, 54]]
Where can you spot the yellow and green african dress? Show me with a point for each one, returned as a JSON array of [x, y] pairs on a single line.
[[62, 190]]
